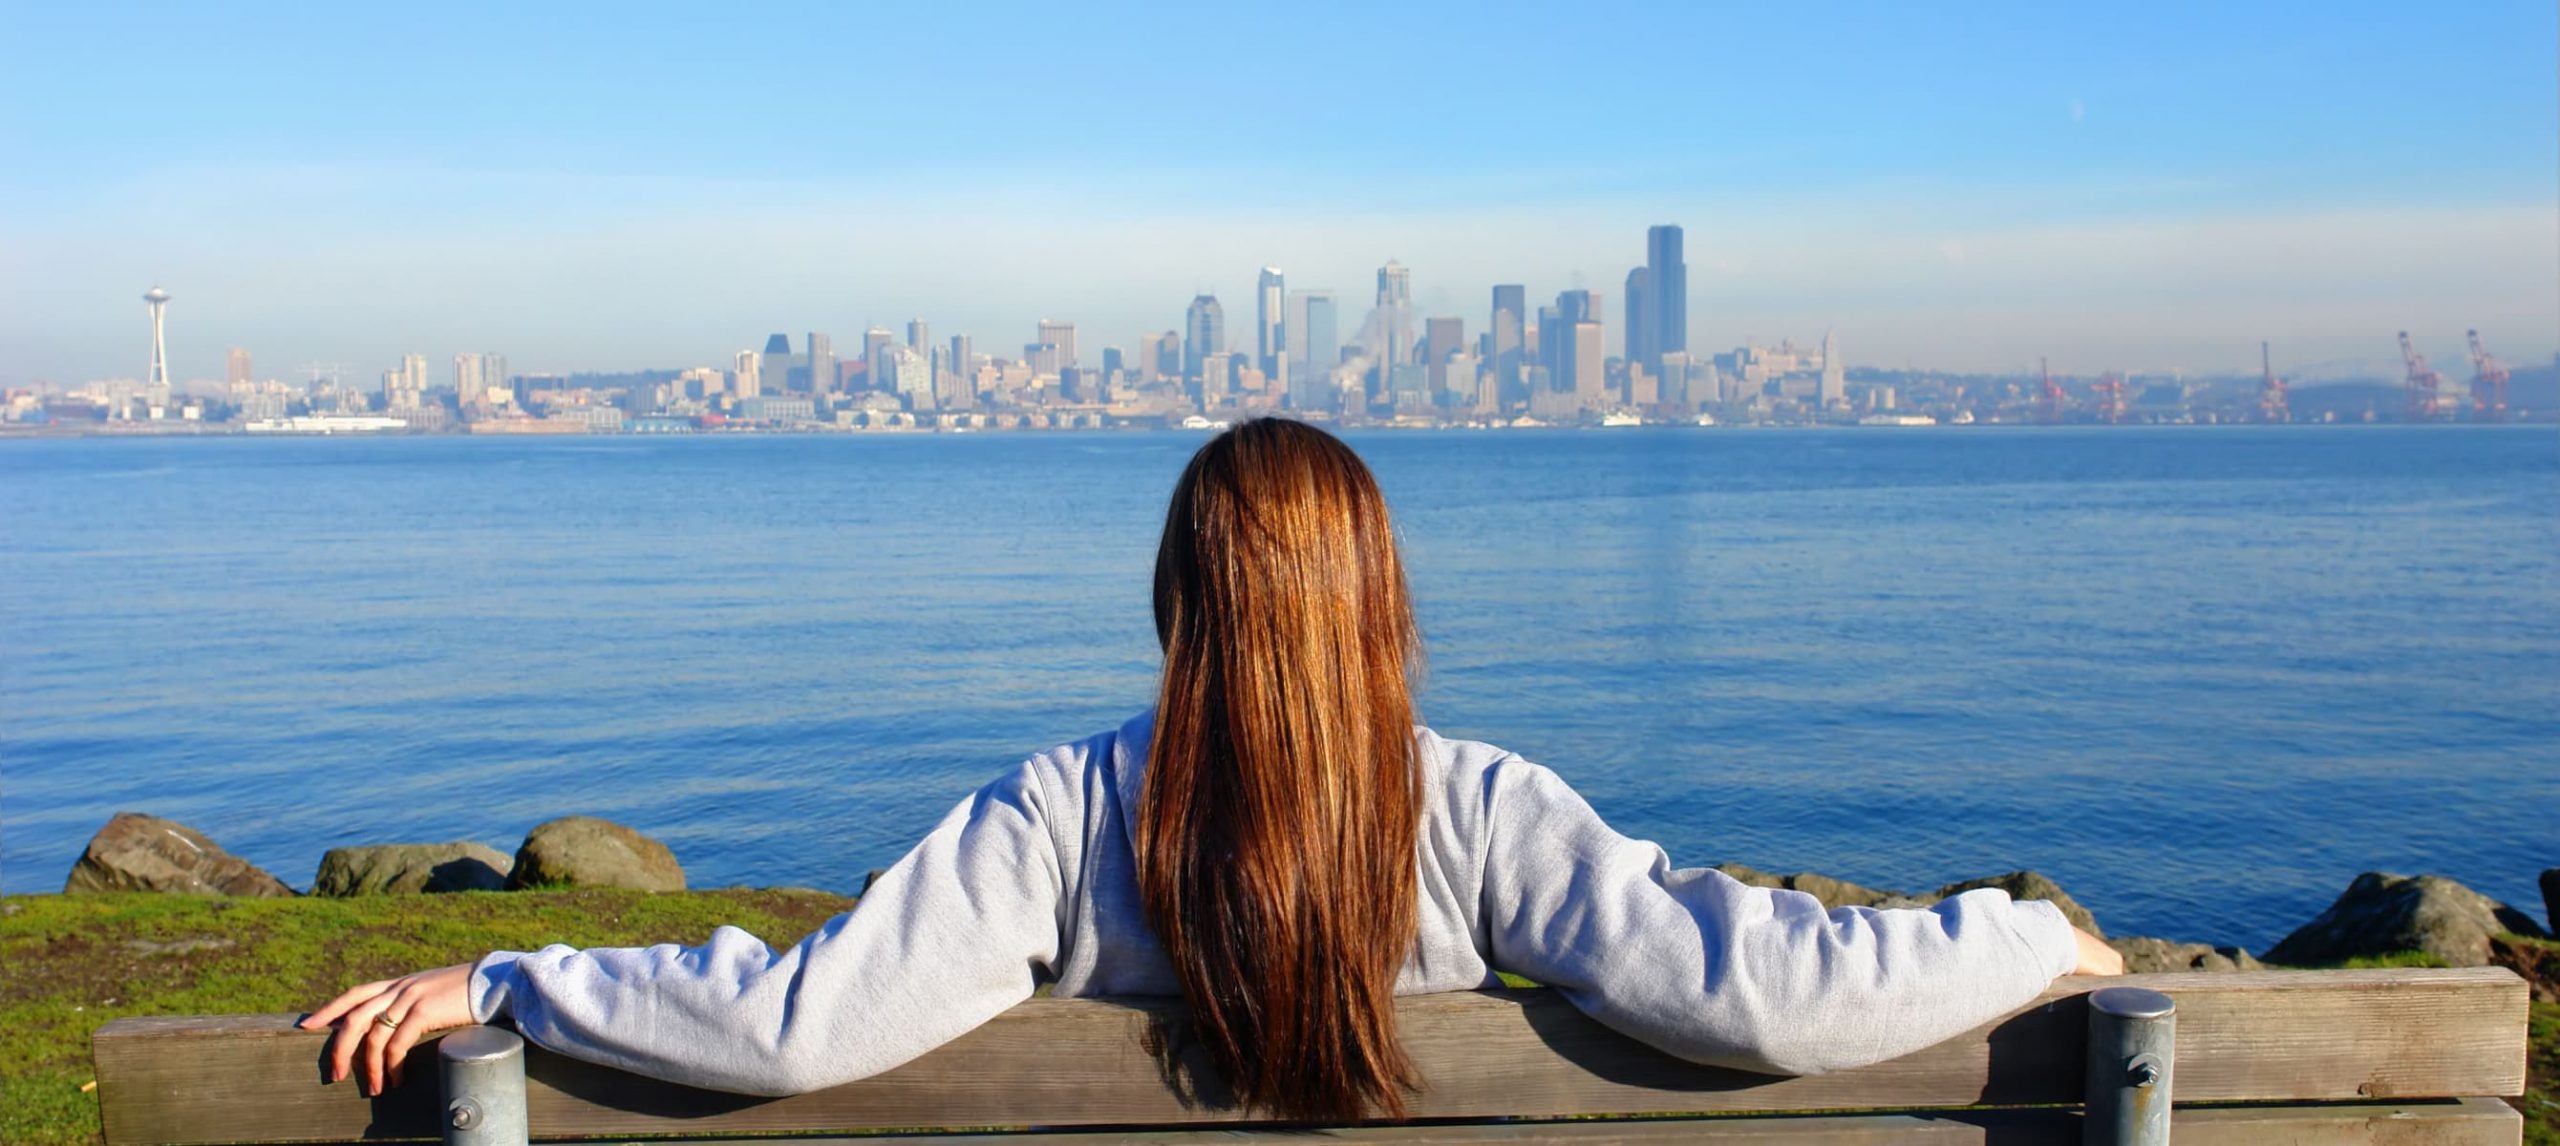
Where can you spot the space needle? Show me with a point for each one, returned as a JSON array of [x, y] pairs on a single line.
[[158, 300]]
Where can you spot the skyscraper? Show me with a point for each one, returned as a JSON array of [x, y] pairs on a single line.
[[1063, 336], [1271, 296], [746, 380], [1588, 360], [1299, 336], [1395, 304], [1315, 340], [1510, 313], [1204, 333], [1833, 387], [1666, 307], [822, 365], [237, 370], [1640, 320], [919, 336], [964, 358], [773, 369], [876, 367], [158, 300], [1442, 336]]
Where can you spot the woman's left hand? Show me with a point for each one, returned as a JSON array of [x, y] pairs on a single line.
[[378, 1023]]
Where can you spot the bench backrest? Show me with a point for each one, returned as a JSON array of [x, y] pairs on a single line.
[[2290, 1037]]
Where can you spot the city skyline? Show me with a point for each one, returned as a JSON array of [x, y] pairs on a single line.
[[2148, 192]]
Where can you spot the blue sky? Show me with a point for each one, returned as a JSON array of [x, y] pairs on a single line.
[[614, 187]]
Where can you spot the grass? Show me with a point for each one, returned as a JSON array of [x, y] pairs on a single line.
[[75, 962], [2541, 1101]]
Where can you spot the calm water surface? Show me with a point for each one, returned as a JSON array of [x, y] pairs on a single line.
[[2201, 676]]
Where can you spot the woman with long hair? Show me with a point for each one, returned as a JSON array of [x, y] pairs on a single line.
[[1280, 843]]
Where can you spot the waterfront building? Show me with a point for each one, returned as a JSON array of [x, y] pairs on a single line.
[[1063, 336], [1204, 333], [1666, 308], [1270, 308]]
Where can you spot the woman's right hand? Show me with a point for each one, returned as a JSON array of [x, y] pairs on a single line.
[[2096, 958]]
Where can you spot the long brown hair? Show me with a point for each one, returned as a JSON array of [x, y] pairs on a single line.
[[1276, 826]]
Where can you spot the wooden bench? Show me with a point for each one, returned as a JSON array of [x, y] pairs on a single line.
[[2383, 1056]]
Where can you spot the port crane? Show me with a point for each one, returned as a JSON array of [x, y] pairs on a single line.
[[2488, 384], [2051, 394], [2425, 386], [2271, 402]]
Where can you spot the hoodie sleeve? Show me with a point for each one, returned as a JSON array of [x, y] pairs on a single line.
[[1702, 966], [959, 930]]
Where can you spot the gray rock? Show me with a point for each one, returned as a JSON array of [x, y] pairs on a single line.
[[402, 869], [2551, 898], [2144, 955], [2382, 914], [583, 851], [135, 852], [1834, 893], [2027, 885]]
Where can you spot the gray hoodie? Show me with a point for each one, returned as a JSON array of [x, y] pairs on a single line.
[[1032, 879]]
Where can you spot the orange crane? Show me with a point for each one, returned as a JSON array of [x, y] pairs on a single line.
[[2271, 403], [2425, 386], [2052, 394], [2109, 391], [2488, 384]]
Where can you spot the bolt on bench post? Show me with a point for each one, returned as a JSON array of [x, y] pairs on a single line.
[[483, 1069], [2133, 1054]]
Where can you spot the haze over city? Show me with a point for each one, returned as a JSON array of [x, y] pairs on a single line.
[[2149, 192]]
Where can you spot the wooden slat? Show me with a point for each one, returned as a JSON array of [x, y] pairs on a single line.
[[2286, 1036], [2425, 1122]]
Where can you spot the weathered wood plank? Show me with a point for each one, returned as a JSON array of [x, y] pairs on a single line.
[[2425, 1122], [2260, 1036]]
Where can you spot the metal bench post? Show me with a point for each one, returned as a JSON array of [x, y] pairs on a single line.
[[483, 1070], [2133, 1054]]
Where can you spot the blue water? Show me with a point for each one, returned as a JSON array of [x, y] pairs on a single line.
[[2201, 676]]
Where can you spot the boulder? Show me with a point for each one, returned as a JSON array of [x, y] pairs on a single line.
[[2145, 955], [2537, 961], [2382, 914], [2551, 898], [583, 851], [401, 869], [1834, 893], [135, 852], [2026, 885]]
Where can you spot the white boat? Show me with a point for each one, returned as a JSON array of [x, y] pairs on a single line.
[[1620, 418], [327, 424]]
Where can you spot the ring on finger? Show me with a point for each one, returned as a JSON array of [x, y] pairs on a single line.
[[385, 1021]]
